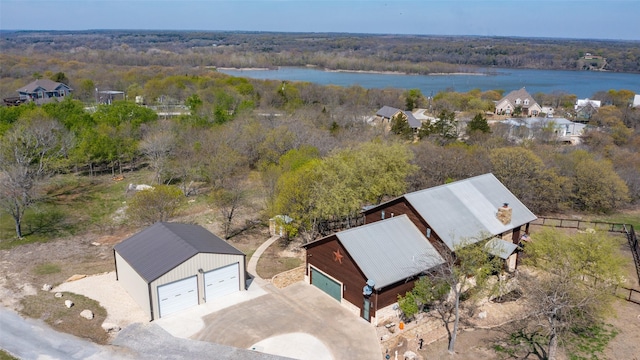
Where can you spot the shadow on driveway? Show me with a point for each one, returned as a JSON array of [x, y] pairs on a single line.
[[299, 308]]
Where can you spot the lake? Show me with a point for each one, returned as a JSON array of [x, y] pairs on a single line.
[[581, 83]]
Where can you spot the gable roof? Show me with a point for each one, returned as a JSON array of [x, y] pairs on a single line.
[[389, 112], [465, 210], [521, 94], [390, 250], [161, 247], [46, 84]]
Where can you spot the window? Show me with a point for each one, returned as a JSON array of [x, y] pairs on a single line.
[[518, 101], [526, 101]]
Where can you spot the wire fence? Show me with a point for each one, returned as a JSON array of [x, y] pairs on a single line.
[[631, 295]]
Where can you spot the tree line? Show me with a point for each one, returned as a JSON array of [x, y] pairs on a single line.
[[316, 159]]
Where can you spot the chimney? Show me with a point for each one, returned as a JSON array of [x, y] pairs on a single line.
[[504, 214]]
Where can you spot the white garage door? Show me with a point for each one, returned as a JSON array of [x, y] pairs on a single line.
[[178, 295], [222, 281]]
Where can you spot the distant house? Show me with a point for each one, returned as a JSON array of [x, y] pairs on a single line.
[[518, 101], [585, 108], [549, 129], [42, 91], [387, 113], [365, 268]]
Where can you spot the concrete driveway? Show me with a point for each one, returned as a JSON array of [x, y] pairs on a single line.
[[296, 312]]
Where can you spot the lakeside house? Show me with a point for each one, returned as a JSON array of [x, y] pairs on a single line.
[[518, 103]]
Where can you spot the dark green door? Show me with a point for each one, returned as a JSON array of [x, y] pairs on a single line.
[[324, 283]]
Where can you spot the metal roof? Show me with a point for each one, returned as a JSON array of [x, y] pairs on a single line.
[[387, 111], [413, 122], [465, 211], [161, 247], [500, 248], [390, 250]]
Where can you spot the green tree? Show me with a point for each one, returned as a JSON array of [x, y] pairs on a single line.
[[478, 124], [160, 203], [597, 187], [446, 126], [400, 126], [61, 78], [573, 289], [525, 175], [194, 103], [413, 98]]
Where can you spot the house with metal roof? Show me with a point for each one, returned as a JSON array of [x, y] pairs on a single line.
[[169, 267], [365, 268], [461, 213], [43, 91], [518, 101]]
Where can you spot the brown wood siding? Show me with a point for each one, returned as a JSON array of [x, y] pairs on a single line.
[[401, 206], [389, 294], [322, 257]]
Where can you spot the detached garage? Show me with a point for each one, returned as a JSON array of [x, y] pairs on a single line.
[[169, 267]]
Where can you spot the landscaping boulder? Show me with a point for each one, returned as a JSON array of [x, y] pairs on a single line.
[[110, 327], [68, 303], [47, 287], [76, 277], [87, 314]]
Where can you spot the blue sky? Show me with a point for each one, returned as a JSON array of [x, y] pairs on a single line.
[[586, 19]]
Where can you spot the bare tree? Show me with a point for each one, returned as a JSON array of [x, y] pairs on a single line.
[[156, 146], [27, 156], [572, 286], [464, 271], [229, 200]]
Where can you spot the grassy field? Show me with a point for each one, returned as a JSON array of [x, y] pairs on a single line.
[[45, 306]]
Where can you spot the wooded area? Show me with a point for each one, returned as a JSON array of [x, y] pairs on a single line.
[[306, 148]]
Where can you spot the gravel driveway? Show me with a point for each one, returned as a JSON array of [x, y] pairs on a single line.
[[122, 310]]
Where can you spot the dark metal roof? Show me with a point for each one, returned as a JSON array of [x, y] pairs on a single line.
[[161, 247]]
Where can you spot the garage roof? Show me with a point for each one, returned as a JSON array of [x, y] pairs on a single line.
[[161, 247], [390, 250]]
